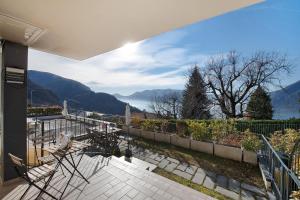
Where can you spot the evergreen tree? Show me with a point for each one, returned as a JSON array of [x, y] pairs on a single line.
[[260, 106], [195, 103]]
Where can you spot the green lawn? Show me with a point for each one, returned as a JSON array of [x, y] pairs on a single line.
[[242, 172]]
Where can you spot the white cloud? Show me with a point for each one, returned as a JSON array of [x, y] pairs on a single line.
[[127, 69]]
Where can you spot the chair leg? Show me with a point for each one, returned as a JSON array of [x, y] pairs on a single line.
[[43, 190], [62, 170], [29, 186]]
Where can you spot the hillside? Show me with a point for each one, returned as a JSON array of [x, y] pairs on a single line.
[[64, 88], [148, 95], [38, 95], [77, 94], [286, 101]]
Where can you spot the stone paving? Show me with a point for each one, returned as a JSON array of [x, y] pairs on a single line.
[[217, 182]]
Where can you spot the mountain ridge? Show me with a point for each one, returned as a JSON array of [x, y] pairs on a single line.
[[148, 94], [78, 95], [285, 101]]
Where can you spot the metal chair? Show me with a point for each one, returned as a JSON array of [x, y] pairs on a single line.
[[34, 175]]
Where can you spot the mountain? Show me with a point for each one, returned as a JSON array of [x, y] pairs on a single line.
[[64, 88], [38, 95], [78, 95], [286, 102], [149, 95]]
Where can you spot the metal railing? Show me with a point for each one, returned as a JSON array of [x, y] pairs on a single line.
[[264, 128], [44, 131], [283, 180]]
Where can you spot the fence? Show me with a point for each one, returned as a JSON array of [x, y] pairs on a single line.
[[260, 127], [266, 128], [43, 132], [283, 180]]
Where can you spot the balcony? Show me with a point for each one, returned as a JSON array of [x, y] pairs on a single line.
[[109, 177]]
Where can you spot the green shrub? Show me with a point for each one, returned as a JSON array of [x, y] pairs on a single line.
[[136, 122], [171, 127], [250, 141], [199, 131], [285, 141], [43, 111], [221, 128], [182, 128], [151, 125]]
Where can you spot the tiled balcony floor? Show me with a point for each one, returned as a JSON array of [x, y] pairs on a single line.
[[112, 179]]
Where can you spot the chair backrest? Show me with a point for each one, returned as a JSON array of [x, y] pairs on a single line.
[[16, 160], [20, 167]]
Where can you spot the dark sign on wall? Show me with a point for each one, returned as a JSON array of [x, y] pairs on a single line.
[[14, 75]]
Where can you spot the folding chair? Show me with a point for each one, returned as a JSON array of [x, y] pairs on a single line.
[[34, 175]]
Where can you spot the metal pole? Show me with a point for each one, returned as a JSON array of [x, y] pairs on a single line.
[[42, 142]]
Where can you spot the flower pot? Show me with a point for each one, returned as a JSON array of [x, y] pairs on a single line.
[[147, 134], [135, 131], [229, 152], [206, 147], [250, 157], [161, 137], [132, 131], [180, 141]]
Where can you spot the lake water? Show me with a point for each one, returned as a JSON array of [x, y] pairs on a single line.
[[140, 104], [145, 105]]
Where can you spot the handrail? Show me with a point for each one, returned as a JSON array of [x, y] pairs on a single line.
[[283, 180], [275, 153]]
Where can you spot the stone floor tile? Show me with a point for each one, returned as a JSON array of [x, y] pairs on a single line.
[[163, 163], [246, 195], [182, 167], [153, 156], [198, 178], [227, 193], [170, 167], [209, 182], [200, 170], [271, 196], [253, 189], [234, 185], [159, 158], [150, 160], [191, 169], [211, 174], [222, 181], [173, 160], [260, 198], [182, 174], [132, 193]]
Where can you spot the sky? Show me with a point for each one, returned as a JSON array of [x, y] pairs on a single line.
[[163, 61]]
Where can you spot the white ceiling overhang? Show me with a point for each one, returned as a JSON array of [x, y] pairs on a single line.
[[81, 29]]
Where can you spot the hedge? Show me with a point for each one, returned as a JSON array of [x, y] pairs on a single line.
[[43, 111], [265, 127]]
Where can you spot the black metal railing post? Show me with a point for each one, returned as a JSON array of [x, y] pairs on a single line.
[[42, 138]]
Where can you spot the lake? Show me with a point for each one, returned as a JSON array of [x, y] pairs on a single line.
[[144, 105], [140, 104]]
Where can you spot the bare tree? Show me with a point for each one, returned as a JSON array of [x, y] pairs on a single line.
[[232, 79], [167, 106]]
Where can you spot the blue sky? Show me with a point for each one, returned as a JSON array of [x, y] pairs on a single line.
[[163, 61]]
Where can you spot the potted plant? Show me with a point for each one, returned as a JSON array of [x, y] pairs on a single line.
[[135, 128], [224, 133], [250, 145], [148, 129], [182, 136], [201, 137]]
